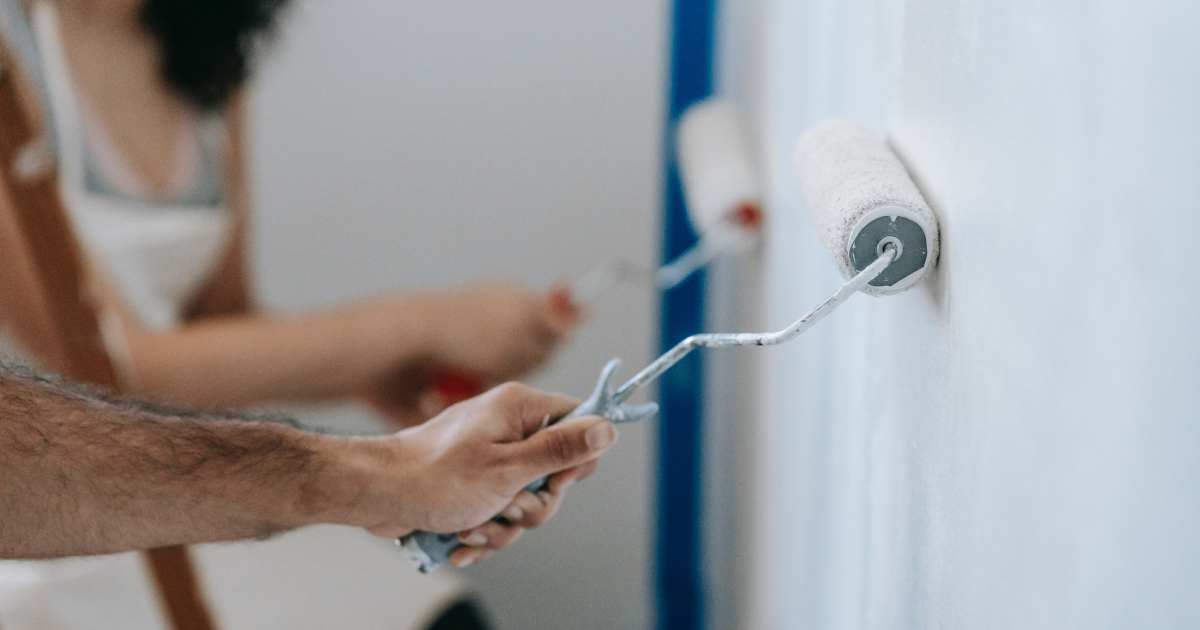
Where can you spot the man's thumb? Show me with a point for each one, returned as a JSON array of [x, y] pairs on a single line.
[[568, 444]]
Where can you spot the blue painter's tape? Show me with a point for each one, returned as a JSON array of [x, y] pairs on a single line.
[[679, 584]]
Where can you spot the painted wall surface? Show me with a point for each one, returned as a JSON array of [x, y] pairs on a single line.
[[1016, 443], [416, 145]]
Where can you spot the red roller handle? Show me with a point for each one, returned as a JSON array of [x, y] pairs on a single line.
[[455, 387], [748, 215]]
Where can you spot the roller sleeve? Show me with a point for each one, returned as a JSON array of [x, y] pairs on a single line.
[[860, 197], [716, 165]]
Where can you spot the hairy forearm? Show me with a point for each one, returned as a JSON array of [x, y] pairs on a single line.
[[80, 474], [253, 359]]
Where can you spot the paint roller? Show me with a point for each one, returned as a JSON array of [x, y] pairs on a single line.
[[871, 217], [724, 201], [724, 205]]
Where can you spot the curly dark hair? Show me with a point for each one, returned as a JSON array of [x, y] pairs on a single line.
[[207, 45]]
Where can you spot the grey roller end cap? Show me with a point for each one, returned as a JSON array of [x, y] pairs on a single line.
[[895, 227]]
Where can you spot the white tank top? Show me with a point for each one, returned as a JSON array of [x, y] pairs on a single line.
[[157, 253]]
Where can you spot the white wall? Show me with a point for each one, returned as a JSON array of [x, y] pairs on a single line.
[[1015, 443], [406, 145]]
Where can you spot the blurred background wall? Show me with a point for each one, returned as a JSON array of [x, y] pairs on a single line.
[[415, 145]]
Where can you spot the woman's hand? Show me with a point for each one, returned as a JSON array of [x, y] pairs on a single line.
[[501, 331], [478, 338], [385, 350]]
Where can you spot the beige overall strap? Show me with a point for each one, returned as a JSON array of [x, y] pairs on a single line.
[[32, 183]]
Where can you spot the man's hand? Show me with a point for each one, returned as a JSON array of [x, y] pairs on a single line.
[[83, 474], [470, 463]]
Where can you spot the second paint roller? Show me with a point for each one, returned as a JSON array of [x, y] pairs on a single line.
[[724, 205], [881, 233], [724, 201]]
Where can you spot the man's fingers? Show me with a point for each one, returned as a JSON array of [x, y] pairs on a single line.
[[466, 556], [564, 445], [491, 535], [529, 510], [526, 511], [538, 408], [559, 482]]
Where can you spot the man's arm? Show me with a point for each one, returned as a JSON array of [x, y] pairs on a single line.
[[84, 474]]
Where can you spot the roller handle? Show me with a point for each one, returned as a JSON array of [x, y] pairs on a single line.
[[429, 550]]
